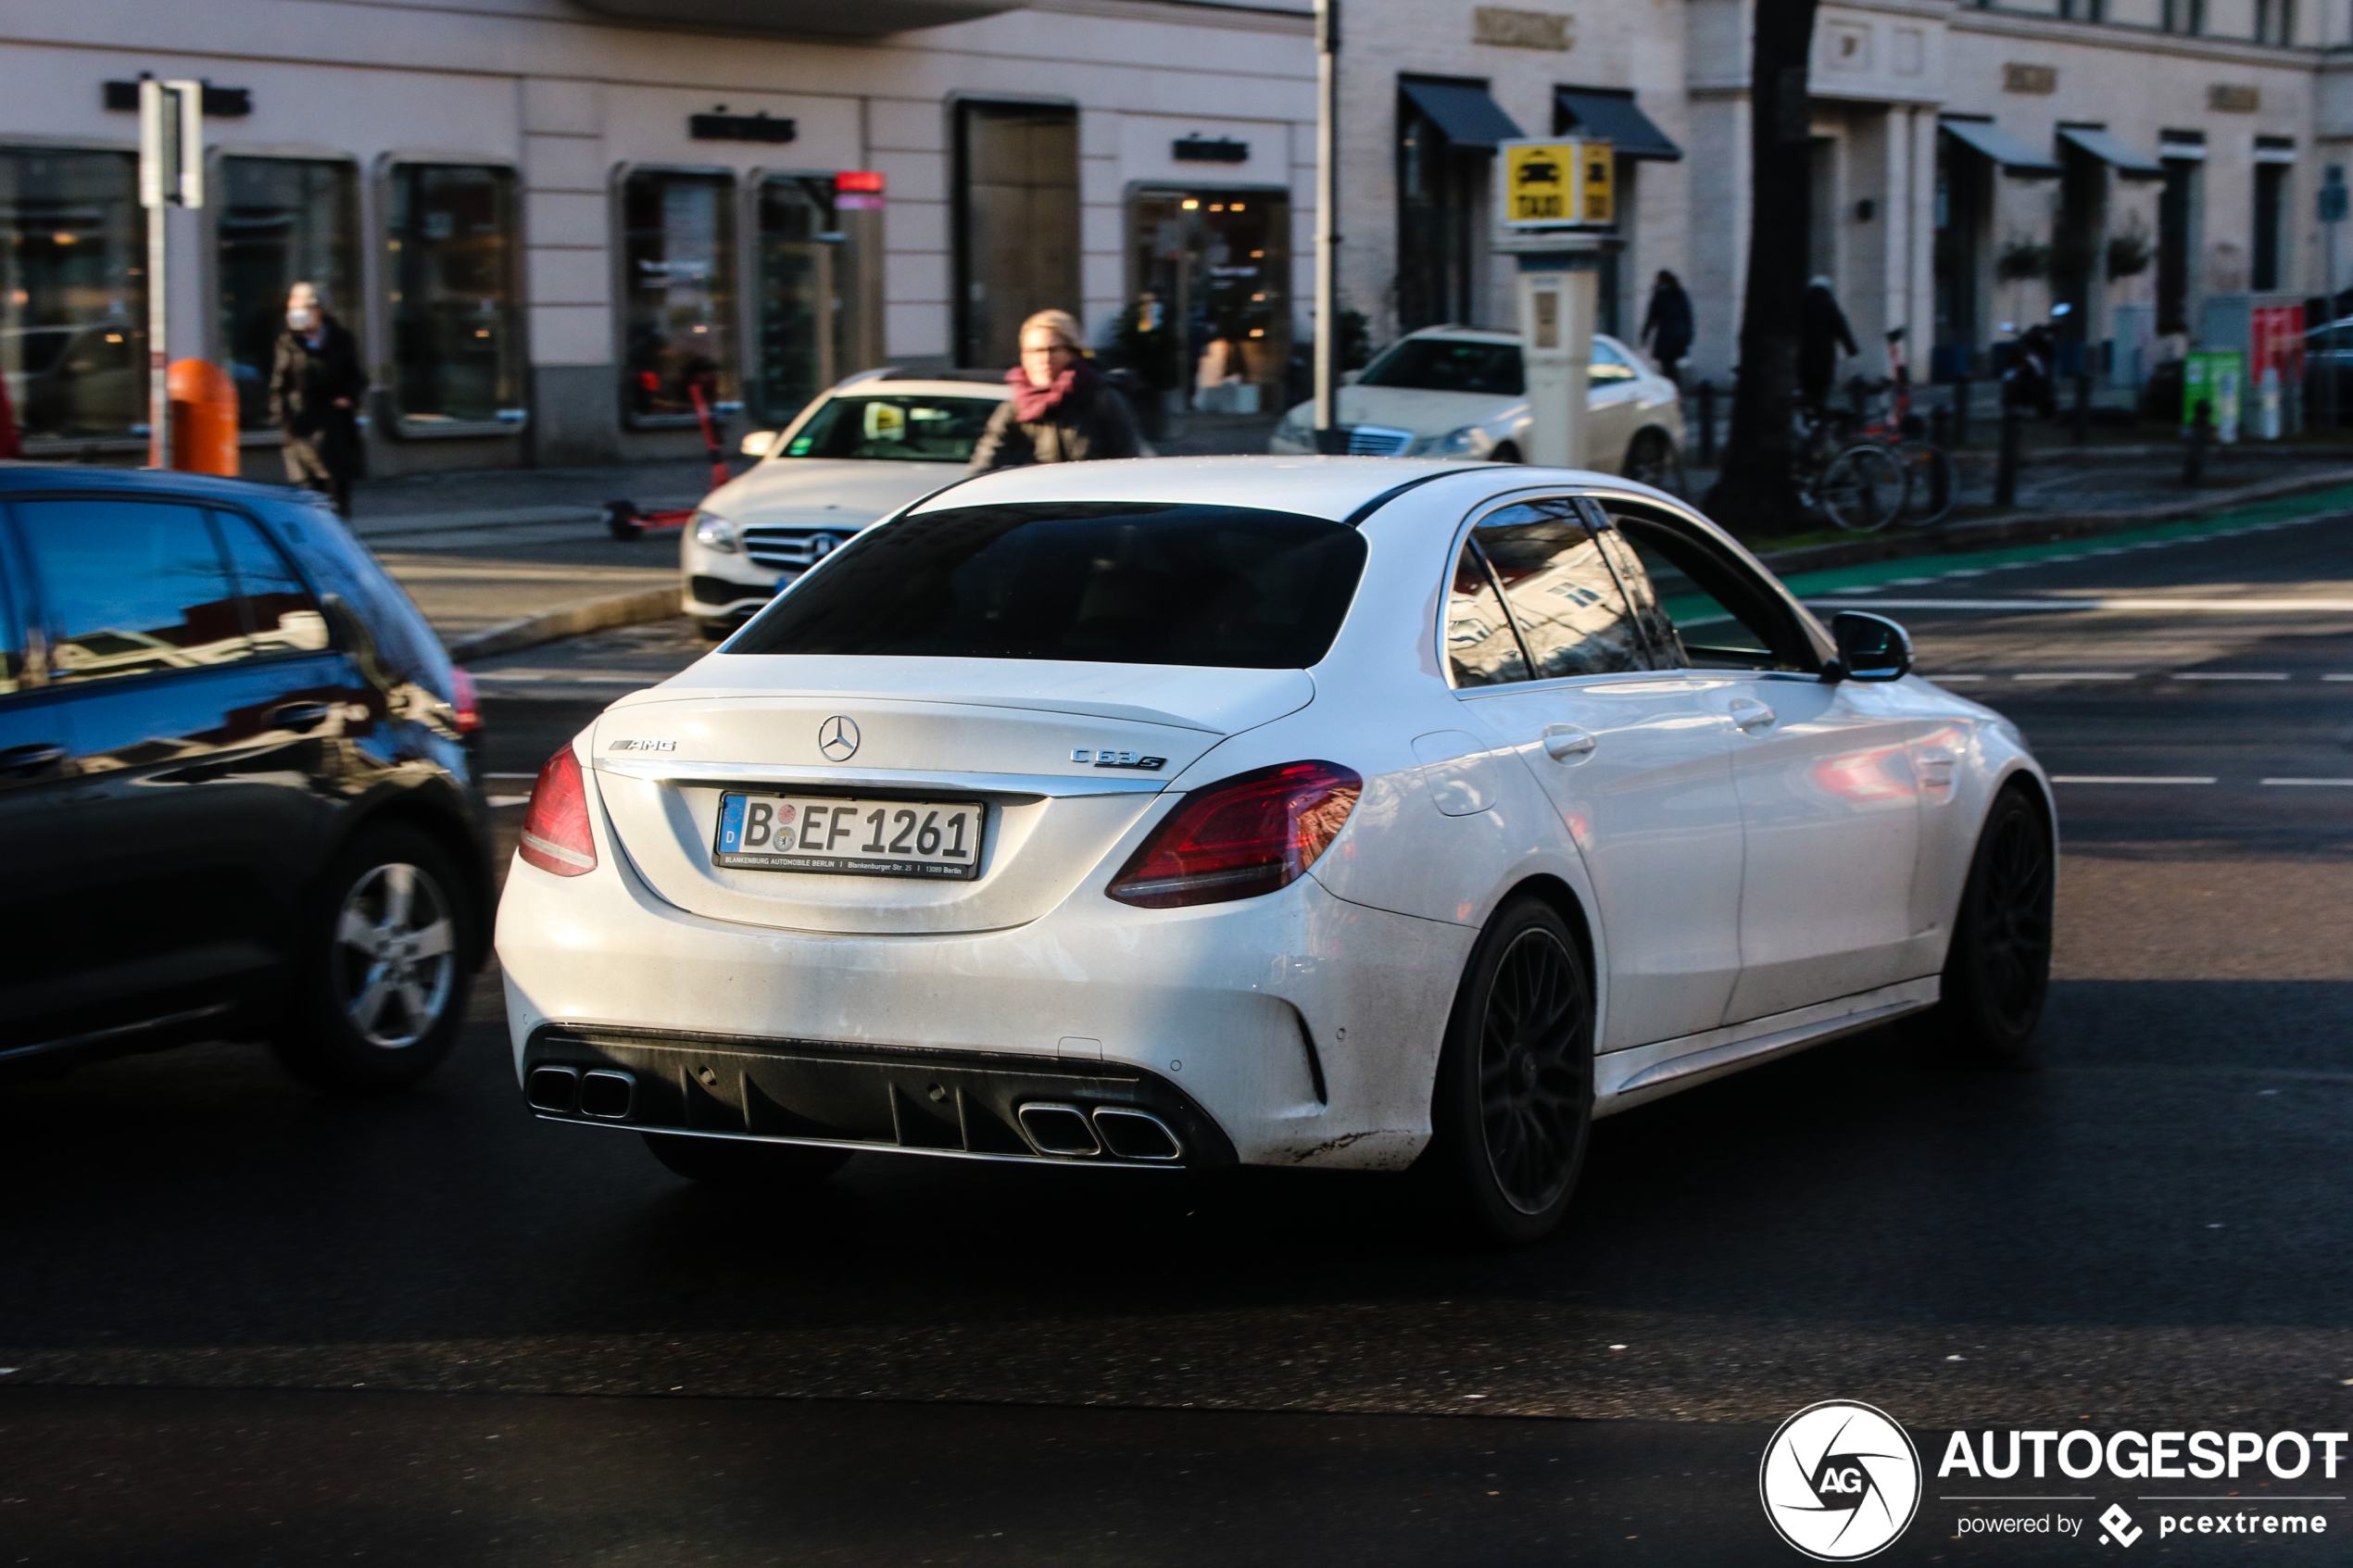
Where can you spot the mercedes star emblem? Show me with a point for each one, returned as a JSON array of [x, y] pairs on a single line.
[[821, 545], [838, 738]]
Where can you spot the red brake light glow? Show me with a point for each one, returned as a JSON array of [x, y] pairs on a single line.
[[555, 827], [464, 701], [1240, 837]]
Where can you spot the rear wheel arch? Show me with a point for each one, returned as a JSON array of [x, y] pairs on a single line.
[[1565, 903]]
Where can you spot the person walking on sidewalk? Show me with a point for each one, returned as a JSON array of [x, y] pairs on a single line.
[[1061, 411], [316, 385], [1822, 333], [1666, 325]]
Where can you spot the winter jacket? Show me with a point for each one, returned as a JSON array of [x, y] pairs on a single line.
[[1091, 421], [305, 382]]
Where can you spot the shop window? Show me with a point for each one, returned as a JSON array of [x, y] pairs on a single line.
[[2178, 216], [1016, 223], [281, 221], [801, 322], [457, 349], [73, 298], [678, 309], [2271, 206], [1437, 185], [1214, 268]]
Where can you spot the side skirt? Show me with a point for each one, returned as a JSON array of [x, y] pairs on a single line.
[[1640, 1073]]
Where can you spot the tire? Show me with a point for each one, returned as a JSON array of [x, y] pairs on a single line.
[[1512, 1110], [1652, 459], [1862, 490], [1998, 972], [1934, 486], [358, 1022], [735, 1162]]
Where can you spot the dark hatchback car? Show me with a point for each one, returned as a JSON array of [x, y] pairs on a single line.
[[237, 800]]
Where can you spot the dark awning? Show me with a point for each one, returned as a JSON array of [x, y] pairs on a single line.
[[1466, 114], [1611, 115], [2115, 154], [2014, 156]]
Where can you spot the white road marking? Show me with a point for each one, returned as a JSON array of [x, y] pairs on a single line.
[[1954, 680], [2344, 783], [2075, 675], [2337, 677], [2129, 779], [2114, 602], [2220, 675]]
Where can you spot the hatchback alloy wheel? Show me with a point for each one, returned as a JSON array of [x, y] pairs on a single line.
[[396, 958]]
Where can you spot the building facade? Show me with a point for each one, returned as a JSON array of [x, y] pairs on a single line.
[[551, 222]]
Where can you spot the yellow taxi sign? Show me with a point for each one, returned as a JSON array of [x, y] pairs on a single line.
[[1556, 184]]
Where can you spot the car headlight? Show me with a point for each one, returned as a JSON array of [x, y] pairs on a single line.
[[1454, 443], [715, 533]]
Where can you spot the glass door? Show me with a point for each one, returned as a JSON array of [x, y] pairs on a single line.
[[1216, 265]]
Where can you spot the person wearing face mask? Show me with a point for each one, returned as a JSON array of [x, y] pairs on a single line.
[[316, 387], [1061, 411]]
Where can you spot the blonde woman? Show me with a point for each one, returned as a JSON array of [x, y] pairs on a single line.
[[1061, 409]]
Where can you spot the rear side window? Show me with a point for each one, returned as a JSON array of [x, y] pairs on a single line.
[[132, 587], [1119, 582], [1570, 606]]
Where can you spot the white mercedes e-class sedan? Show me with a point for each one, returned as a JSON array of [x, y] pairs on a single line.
[[1349, 813]]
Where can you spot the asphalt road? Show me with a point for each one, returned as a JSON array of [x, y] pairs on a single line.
[[251, 1325]]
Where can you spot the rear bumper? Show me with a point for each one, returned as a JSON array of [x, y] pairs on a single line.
[[1304, 1029]]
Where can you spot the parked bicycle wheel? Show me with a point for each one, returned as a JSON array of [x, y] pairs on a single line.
[[1863, 489], [1935, 486]]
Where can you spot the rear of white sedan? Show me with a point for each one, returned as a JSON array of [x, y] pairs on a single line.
[[1173, 814]]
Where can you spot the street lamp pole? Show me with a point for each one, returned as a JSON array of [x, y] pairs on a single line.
[[1327, 223]]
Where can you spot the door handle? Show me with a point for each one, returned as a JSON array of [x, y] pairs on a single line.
[[1749, 714], [23, 761], [299, 715], [1563, 742]]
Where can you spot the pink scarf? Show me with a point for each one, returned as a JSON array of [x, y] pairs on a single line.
[[1032, 403]]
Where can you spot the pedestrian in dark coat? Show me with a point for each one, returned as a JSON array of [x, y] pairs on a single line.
[[1666, 325], [1061, 409], [1822, 333], [317, 383]]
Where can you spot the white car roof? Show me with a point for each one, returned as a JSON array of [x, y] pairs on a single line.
[[1327, 487], [902, 386]]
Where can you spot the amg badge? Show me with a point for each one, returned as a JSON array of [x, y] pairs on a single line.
[[643, 746]]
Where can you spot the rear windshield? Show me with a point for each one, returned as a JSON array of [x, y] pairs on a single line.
[[903, 429], [1438, 364], [1119, 582]]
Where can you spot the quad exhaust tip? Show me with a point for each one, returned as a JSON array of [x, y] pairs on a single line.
[[553, 1089], [606, 1095], [1123, 1131]]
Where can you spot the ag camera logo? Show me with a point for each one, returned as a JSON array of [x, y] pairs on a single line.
[[1840, 1481]]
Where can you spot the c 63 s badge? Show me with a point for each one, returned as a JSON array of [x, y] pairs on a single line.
[[1120, 760]]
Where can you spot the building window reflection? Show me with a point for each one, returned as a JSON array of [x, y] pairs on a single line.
[[678, 305], [281, 221], [457, 349], [73, 300], [801, 323], [1218, 264]]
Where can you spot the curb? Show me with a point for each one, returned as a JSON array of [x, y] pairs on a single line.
[[2035, 527], [568, 621]]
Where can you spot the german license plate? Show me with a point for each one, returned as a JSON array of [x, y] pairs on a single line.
[[829, 833]]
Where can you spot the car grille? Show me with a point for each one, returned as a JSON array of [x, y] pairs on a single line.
[[782, 548], [1379, 441]]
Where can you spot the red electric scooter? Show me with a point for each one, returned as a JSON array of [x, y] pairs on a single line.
[[626, 522]]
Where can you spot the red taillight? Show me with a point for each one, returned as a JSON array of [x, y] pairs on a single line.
[[555, 828], [1242, 836], [464, 701]]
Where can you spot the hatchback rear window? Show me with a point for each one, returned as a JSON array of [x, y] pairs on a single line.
[[1118, 583]]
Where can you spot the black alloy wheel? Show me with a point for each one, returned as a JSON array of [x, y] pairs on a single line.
[[744, 1163], [383, 964], [1513, 1107], [1997, 972], [1651, 459]]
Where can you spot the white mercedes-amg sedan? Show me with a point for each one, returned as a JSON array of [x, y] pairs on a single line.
[[1349, 813]]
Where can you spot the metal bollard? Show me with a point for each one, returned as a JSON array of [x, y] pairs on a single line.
[[1940, 425], [1961, 410], [2193, 455], [1708, 424], [2083, 410], [2006, 465]]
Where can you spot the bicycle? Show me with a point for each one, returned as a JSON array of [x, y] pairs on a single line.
[[1930, 488], [1857, 486]]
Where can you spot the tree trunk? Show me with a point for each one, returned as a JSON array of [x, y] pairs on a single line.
[[1755, 492]]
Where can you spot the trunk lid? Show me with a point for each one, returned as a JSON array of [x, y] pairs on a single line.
[[1022, 738]]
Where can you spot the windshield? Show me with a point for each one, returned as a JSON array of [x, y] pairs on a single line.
[[1440, 364], [903, 429], [1118, 583]]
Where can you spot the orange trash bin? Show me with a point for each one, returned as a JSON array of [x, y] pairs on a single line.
[[204, 418]]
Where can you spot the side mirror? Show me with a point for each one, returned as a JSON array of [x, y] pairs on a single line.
[[1870, 647], [756, 444]]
